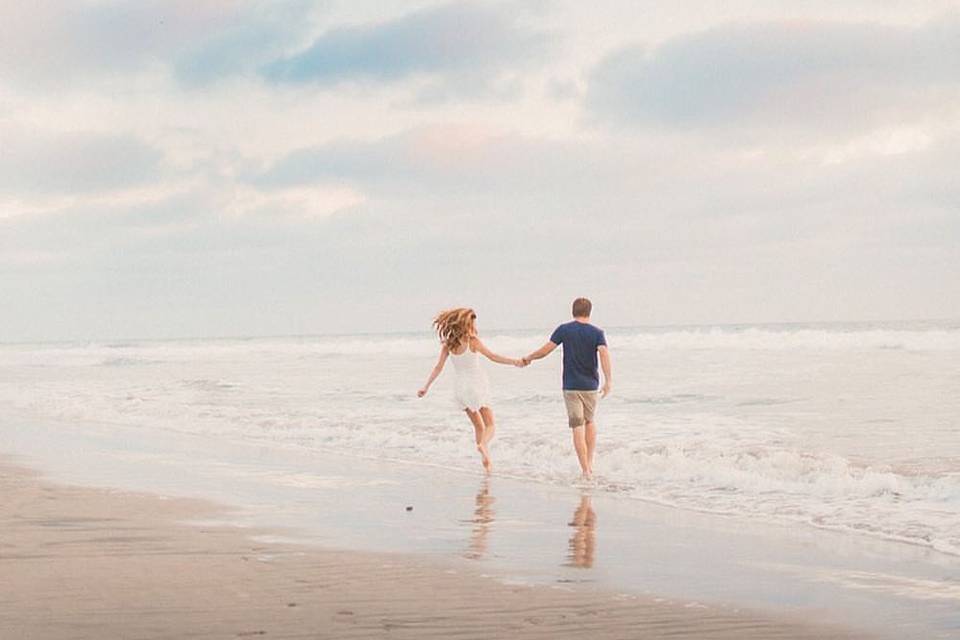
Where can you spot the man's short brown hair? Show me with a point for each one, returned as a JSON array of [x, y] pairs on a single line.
[[582, 308]]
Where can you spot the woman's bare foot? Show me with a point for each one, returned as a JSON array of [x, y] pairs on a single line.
[[485, 457]]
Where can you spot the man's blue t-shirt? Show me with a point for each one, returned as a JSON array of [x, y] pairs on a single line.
[[580, 341]]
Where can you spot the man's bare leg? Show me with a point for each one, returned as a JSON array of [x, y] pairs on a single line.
[[591, 438], [478, 430], [580, 445], [490, 426]]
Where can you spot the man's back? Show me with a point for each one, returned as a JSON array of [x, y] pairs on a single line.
[[583, 344], [580, 341]]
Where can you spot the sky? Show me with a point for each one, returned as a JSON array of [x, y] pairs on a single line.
[[222, 168]]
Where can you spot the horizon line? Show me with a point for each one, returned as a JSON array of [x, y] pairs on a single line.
[[267, 336]]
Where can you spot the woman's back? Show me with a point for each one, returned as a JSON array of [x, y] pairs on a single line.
[[470, 389], [466, 362]]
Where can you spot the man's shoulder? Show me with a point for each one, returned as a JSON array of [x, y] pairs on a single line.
[[559, 332], [595, 333]]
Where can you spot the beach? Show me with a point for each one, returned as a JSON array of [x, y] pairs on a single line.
[[96, 563], [745, 476], [303, 305]]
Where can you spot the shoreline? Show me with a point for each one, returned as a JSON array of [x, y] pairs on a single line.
[[82, 562], [509, 530], [320, 500]]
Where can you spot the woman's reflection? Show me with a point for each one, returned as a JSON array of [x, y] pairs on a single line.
[[583, 540], [483, 515]]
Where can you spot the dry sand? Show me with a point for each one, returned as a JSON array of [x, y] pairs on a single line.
[[92, 563]]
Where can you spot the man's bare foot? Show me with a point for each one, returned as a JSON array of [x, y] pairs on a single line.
[[485, 457]]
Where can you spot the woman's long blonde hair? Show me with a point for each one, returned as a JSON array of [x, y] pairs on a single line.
[[455, 327]]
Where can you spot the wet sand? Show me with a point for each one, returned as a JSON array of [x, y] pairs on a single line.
[[94, 563]]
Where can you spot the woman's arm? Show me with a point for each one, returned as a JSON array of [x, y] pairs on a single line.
[[482, 348], [444, 352]]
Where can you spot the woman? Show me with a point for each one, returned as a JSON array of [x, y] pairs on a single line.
[[457, 329]]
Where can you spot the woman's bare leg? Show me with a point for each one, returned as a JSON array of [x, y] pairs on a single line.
[[491, 428], [478, 429]]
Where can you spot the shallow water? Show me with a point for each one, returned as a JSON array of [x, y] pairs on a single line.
[[848, 427], [516, 531]]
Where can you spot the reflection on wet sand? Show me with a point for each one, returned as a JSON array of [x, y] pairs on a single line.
[[583, 541], [483, 516]]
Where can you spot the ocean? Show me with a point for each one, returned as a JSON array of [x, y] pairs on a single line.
[[850, 427]]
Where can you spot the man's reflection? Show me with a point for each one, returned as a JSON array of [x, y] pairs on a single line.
[[583, 540], [483, 515]]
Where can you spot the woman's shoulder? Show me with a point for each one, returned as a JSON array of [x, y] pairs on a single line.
[[461, 348]]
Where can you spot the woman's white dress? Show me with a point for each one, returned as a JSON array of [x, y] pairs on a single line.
[[471, 389]]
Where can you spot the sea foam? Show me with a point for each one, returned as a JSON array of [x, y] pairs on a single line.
[[844, 427]]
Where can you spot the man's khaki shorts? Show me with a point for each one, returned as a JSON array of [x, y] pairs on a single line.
[[581, 405]]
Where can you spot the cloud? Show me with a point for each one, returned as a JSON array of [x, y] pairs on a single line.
[[241, 46], [452, 39], [36, 163], [251, 205], [784, 74], [453, 212], [442, 158], [471, 45], [290, 204], [634, 197], [55, 44]]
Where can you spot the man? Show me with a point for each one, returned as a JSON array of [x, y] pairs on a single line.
[[582, 342]]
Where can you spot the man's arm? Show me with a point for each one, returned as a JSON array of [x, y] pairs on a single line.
[[541, 352], [607, 373]]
